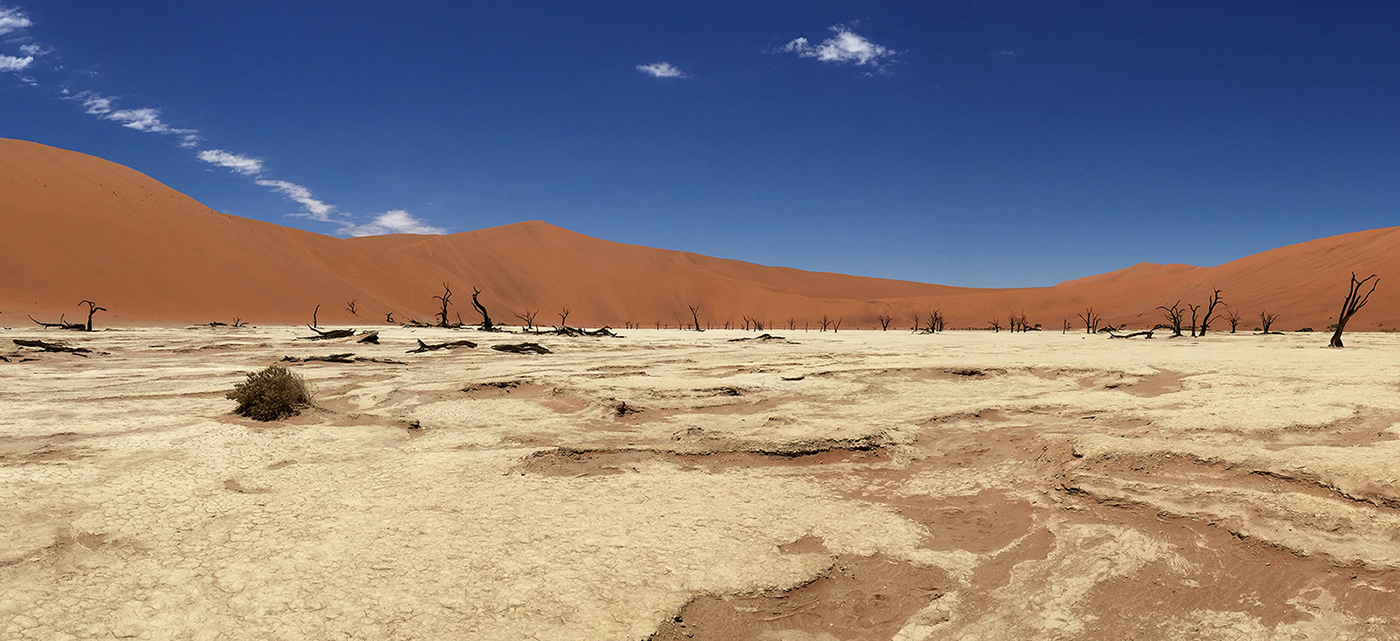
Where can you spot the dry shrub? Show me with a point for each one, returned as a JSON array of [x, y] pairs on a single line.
[[271, 394]]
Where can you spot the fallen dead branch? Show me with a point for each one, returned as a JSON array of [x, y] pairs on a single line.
[[61, 324], [1147, 333], [325, 336], [574, 331], [522, 348], [371, 337], [760, 337], [425, 347], [53, 347], [340, 358]]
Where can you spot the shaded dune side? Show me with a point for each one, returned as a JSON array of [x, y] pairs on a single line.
[[80, 227]]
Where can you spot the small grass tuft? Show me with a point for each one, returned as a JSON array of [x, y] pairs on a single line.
[[270, 394]]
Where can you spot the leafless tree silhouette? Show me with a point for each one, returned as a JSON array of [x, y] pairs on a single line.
[[1353, 303], [1210, 309], [446, 298], [1233, 317], [529, 318], [351, 306], [826, 322], [1091, 321], [695, 314], [93, 309], [1267, 320], [564, 317], [995, 326], [486, 324], [884, 321], [792, 324], [1173, 314]]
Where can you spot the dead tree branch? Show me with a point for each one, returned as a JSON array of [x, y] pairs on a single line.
[[1353, 303], [425, 347]]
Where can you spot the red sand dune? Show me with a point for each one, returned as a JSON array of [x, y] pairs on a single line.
[[77, 227]]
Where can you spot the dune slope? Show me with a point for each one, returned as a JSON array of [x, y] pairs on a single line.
[[78, 227]]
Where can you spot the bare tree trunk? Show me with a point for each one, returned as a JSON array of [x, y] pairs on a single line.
[[446, 297], [486, 324], [1210, 309], [92, 309], [1353, 303], [695, 314]]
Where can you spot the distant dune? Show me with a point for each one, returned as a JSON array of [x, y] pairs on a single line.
[[78, 227]]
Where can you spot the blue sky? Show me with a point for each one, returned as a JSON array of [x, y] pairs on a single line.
[[974, 143]]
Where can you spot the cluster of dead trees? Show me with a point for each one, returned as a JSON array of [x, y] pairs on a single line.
[[933, 324]]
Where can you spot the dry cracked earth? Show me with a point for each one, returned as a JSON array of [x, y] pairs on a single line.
[[678, 485]]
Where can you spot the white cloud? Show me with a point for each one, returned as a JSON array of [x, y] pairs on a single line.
[[845, 47], [661, 70], [31, 50], [315, 209], [241, 164], [147, 120], [11, 63], [13, 20], [395, 221]]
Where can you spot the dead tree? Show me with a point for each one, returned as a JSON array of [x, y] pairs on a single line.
[[529, 319], [995, 326], [1193, 318], [564, 317], [351, 306], [826, 322], [92, 309], [446, 299], [486, 324], [1210, 309], [313, 316], [1091, 321], [1233, 317], [1353, 303], [695, 314], [389, 317], [792, 324], [1266, 319], [883, 319], [836, 325], [1173, 314]]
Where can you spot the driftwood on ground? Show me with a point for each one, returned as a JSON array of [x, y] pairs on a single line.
[[1146, 332], [340, 358], [371, 337], [760, 337], [522, 348], [323, 336], [52, 347], [424, 347], [61, 324], [574, 331]]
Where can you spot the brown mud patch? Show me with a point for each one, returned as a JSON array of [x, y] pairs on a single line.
[[856, 598]]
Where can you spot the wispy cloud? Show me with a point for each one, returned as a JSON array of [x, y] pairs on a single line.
[[11, 63], [241, 164], [151, 120], [146, 119], [396, 221], [13, 20], [846, 47], [662, 70], [315, 209]]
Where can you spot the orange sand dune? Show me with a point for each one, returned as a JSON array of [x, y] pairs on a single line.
[[78, 227]]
